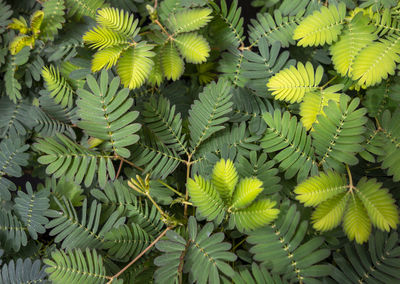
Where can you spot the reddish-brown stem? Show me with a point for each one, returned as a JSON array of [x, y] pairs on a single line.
[[119, 169], [139, 256], [130, 163]]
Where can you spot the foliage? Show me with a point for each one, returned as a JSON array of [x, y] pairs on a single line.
[[176, 141]]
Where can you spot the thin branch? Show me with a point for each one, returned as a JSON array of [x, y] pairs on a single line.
[[129, 163], [170, 188], [139, 256], [326, 84], [351, 186], [119, 169], [188, 163]]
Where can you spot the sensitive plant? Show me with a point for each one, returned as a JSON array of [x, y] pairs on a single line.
[[171, 142]]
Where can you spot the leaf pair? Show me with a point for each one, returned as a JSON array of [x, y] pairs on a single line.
[[359, 207], [201, 253], [225, 195], [23, 39], [184, 43], [114, 38]]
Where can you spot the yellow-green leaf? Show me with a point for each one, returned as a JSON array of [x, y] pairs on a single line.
[[317, 189], [246, 191], [356, 223], [329, 213], [379, 204], [225, 178], [172, 63], [193, 47]]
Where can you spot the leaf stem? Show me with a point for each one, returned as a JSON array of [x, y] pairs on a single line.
[[139, 256], [170, 188], [119, 169], [327, 83], [188, 163], [351, 186], [130, 163]]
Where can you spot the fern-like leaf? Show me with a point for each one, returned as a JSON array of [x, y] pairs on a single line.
[[161, 119], [32, 208], [12, 158], [379, 203], [171, 63], [62, 266], [135, 65], [292, 83], [314, 102], [257, 215], [329, 214], [65, 157], [13, 121], [246, 191], [338, 133], [209, 112], [190, 20], [119, 21], [83, 7], [12, 232], [60, 90], [107, 57], [206, 198], [225, 178], [357, 35], [356, 223], [318, 189], [377, 61], [281, 247], [105, 113], [169, 263], [100, 37], [230, 23], [193, 47], [84, 232], [274, 27], [284, 132], [126, 242], [53, 19], [376, 262], [207, 256], [321, 27], [23, 271]]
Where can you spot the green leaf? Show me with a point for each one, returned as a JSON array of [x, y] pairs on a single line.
[[209, 112], [379, 203], [357, 35], [356, 223], [257, 215], [190, 20], [329, 214], [206, 198], [60, 90], [377, 61], [31, 207], [88, 268], [171, 63], [321, 27], [291, 84], [224, 179], [318, 189], [246, 191], [106, 114], [193, 47], [135, 65], [119, 21]]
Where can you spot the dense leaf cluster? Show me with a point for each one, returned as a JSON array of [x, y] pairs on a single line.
[[166, 142]]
